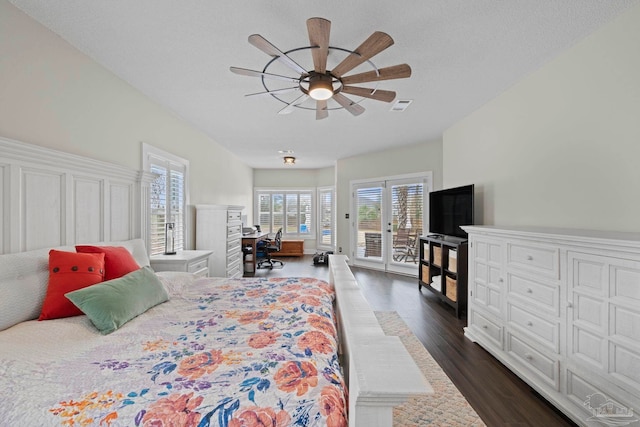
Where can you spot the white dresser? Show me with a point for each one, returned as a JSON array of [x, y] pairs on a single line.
[[219, 229], [561, 309]]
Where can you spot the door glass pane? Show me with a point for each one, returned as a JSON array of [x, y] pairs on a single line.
[[326, 218], [406, 220], [369, 222]]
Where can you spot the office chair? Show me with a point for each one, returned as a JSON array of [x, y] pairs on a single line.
[[267, 248]]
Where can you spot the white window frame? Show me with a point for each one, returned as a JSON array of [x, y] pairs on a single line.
[[285, 191], [153, 155]]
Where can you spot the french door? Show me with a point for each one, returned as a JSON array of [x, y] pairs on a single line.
[[388, 218]]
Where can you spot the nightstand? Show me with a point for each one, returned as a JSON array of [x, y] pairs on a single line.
[[196, 262]]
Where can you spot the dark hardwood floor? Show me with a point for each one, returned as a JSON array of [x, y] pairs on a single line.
[[497, 395]]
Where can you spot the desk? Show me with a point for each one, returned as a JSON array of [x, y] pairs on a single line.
[[251, 240]]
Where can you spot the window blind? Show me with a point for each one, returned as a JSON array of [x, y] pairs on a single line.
[[293, 210], [325, 217], [167, 204]]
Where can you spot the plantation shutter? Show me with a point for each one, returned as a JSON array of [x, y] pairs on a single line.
[[167, 203], [291, 210], [325, 197]]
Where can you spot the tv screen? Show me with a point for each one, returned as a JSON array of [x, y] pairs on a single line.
[[449, 209]]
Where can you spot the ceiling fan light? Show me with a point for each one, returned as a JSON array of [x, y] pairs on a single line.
[[321, 87], [320, 94]]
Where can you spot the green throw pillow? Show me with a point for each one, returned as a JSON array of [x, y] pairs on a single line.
[[113, 303]]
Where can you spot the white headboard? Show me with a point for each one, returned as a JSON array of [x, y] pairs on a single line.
[[50, 198]]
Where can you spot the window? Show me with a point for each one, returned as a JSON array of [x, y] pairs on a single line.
[[293, 210], [168, 196]]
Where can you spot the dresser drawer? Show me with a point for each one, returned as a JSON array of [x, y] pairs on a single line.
[[234, 216], [234, 230], [234, 271], [547, 368], [486, 327], [203, 272], [233, 258], [198, 265], [535, 292], [538, 259], [547, 332], [233, 246]]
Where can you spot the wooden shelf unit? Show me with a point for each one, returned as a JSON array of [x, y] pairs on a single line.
[[445, 256]]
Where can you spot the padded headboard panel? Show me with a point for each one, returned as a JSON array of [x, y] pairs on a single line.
[[49, 198]]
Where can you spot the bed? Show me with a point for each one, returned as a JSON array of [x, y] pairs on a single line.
[[218, 352], [204, 355]]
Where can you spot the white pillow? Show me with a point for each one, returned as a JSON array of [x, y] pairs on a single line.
[[23, 285], [24, 277]]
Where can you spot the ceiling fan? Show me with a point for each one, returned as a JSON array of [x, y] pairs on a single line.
[[321, 84]]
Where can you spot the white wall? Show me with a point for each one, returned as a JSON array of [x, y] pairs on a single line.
[[416, 158], [52, 95], [561, 147], [293, 178]]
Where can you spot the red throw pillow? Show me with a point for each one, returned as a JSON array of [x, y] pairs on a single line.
[[69, 271], [118, 261]]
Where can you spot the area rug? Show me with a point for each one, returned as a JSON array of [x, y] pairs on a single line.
[[447, 406]]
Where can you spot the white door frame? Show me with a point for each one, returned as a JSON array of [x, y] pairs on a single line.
[[386, 263]]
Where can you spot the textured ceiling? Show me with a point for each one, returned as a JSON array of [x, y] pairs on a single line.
[[463, 53]]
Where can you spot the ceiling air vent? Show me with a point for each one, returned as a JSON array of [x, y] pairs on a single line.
[[401, 104]]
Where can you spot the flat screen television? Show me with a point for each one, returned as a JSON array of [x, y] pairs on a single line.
[[449, 209]]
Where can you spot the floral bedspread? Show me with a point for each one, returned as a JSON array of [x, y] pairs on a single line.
[[222, 352]]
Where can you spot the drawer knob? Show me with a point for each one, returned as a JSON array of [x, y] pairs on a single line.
[[529, 323], [501, 280], [529, 291], [529, 258], [569, 305], [484, 326], [528, 356]]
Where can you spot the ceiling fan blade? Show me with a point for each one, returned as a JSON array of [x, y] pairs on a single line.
[[289, 108], [387, 73], [349, 105], [377, 94], [253, 73], [376, 43], [264, 45], [274, 92], [321, 109], [319, 30]]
